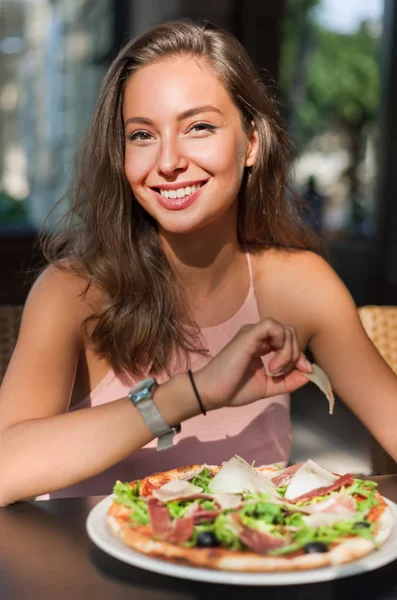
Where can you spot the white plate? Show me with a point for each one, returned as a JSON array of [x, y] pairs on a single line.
[[101, 534]]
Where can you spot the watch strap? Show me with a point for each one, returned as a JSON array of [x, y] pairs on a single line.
[[153, 418]]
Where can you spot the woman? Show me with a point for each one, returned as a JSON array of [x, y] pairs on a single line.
[[180, 250]]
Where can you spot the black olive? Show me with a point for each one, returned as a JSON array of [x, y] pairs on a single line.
[[362, 525], [315, 547], [207, 539]]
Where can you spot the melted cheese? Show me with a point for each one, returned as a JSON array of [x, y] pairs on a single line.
[[325, 518], [237, 476], [176, 489], [227, 500], [321, 380], [309, 477]]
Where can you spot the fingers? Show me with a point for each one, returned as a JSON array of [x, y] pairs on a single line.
[[270, 335], [286, 384], [235, 376], [304, 364]]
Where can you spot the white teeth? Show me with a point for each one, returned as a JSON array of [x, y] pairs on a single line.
[[181, 192]]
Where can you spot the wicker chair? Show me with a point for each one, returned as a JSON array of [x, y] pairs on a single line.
[[10, 319], [380, 323]]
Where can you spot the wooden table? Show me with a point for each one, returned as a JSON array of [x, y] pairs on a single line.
[[46, 554]]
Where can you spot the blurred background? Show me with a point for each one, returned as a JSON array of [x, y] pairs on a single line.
[[333, 67]]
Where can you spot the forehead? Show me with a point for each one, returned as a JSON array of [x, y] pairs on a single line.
[[172, 86]]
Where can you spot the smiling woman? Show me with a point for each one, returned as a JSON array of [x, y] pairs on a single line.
[[180, 252], [194, 113], [204, 148]]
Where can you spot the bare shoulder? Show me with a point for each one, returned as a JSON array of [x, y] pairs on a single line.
[[281, 263], [60, 291], [301, 272], [300, 287]]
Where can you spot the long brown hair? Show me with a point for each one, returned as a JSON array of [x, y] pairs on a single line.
[[113, 243]]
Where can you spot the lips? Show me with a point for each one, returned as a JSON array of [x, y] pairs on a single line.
[[178, 203]]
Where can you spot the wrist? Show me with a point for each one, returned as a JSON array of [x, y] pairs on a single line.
[[207, 401], [196, 393], [176, 400]]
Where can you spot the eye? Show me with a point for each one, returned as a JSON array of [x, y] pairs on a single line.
[[140, 136], [202, 127]]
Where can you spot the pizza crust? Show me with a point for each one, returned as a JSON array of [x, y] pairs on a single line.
[[218, 558], [211, 558]]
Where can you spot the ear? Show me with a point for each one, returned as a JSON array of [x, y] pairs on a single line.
[[252, 146]]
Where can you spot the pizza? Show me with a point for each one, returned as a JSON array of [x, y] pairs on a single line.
[[241, 518]]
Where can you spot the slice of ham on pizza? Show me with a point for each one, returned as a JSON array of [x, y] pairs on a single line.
[[308, 477]]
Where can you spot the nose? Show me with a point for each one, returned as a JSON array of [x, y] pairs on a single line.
[[171, 159]]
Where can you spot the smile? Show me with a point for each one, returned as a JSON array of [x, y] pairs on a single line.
[[177, 197], [182, 191]]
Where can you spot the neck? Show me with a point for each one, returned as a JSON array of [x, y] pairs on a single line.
[[204, 258]]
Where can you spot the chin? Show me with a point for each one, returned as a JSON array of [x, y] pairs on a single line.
[[181, 226]]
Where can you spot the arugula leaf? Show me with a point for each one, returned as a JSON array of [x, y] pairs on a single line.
[[223, 530], [317, 499], [140, 513], [177, 508], [300, 539], [129, 496], [202, 479], [257, 496], [365, 488], [365, 506], [281, 490], [326, 534], [226, 533], [262, 513], [294, 520], [125, 489], [207, 504]]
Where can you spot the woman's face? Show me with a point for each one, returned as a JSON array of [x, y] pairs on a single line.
[[186, 148]]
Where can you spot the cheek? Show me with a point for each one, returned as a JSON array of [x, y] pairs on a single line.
[[222, 157], [137, 165]]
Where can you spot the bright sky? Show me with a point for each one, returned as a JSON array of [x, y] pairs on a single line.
[[345, 15]]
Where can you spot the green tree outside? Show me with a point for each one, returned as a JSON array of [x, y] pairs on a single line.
[[330, 80]]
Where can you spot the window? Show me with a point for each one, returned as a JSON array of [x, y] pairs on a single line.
[[49, 57]]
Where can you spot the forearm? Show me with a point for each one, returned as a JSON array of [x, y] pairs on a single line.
[[44, 455]]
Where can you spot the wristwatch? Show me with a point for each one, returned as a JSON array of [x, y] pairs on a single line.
[[141, 397]]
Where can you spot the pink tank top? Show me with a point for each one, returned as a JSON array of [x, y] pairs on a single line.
[[260, 431]]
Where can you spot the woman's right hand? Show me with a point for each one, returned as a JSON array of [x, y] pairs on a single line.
[[237, 376]]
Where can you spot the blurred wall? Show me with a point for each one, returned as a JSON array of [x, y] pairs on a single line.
[[257, 24]]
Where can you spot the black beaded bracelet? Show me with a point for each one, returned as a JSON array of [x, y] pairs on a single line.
[[201, 405]]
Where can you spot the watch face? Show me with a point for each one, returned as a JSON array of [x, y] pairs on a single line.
[[141, 390]]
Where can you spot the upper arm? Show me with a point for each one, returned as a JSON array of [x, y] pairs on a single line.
[[40, 376], [340, 345]]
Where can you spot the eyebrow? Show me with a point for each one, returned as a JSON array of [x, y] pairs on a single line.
[[190, 112]]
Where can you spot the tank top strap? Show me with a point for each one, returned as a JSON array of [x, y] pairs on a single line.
[[248, 255]]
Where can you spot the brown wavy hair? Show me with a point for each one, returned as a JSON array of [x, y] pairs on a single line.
[[109, 239]]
